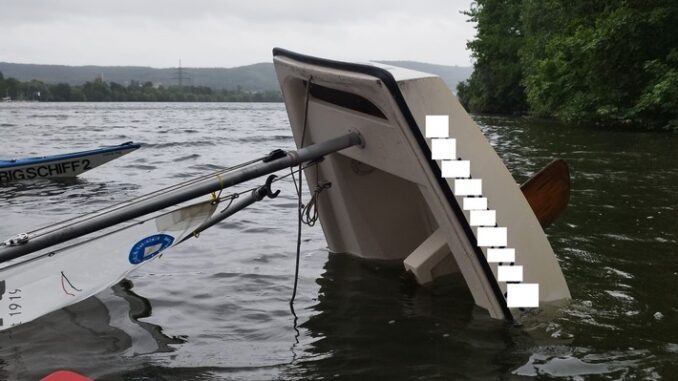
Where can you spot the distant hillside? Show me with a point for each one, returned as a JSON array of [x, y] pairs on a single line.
[[259, 77], [450, 74], [251, 77]]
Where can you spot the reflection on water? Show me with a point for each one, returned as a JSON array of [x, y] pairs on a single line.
[[368, 319], [139, 309], [217, 307], [83, 336]]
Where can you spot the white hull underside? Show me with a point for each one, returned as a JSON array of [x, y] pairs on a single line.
[[388, 200]]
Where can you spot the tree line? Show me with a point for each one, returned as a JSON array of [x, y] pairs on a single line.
[[612, 62], [102, 91]]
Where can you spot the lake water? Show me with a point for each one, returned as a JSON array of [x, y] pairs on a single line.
[[217, 307]]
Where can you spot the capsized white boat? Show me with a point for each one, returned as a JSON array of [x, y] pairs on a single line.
[[412, 179], [427, 188], [62, 165]]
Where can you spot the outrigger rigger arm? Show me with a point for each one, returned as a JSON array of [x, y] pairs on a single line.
[[257, 194], [177, 196]]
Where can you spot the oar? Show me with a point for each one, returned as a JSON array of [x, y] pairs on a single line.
[[548, 191]]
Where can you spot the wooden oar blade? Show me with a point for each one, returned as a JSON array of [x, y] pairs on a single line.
[[548, 191]]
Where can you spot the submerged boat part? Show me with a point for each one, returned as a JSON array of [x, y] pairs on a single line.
[[35, 285], [62, 264], [428, 189], [60, 166]]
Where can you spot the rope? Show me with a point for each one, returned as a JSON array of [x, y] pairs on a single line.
[[231, 197], [299, 204], [310, 211], [215, 195], [230, 202]]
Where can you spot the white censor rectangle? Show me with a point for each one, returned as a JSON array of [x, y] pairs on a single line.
[[483, 217], [437, 126], [488, 237], [501, 255], [468, 187], [525, 295], [444, 149], [456, 168], [510, 273], [475, 203]]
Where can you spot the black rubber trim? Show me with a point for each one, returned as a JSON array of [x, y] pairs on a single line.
[[392, 85]]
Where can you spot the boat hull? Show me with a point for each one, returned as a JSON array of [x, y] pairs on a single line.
[[392, 199], [61, 166], [38, 283]]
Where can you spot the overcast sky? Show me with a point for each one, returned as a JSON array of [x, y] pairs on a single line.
[[225, 33]]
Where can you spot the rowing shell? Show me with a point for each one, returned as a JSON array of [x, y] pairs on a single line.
[[64, 165], [40, 283]]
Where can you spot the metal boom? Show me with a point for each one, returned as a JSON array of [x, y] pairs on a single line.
[[177, 196]]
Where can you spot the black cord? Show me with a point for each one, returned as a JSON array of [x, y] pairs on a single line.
[[310, 212], [296, 268], [300, 206]]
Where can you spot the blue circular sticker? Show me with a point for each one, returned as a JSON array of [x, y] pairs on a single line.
[[149, 247]]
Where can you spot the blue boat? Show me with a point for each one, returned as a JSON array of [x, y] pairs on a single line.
[[63, 165]]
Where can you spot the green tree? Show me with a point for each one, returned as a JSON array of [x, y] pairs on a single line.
[[603, 62], [495, 85], [97, 91], [101, 91], [609, 62], [60, 92], [118, 92], [3, 86], [12, 86]]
